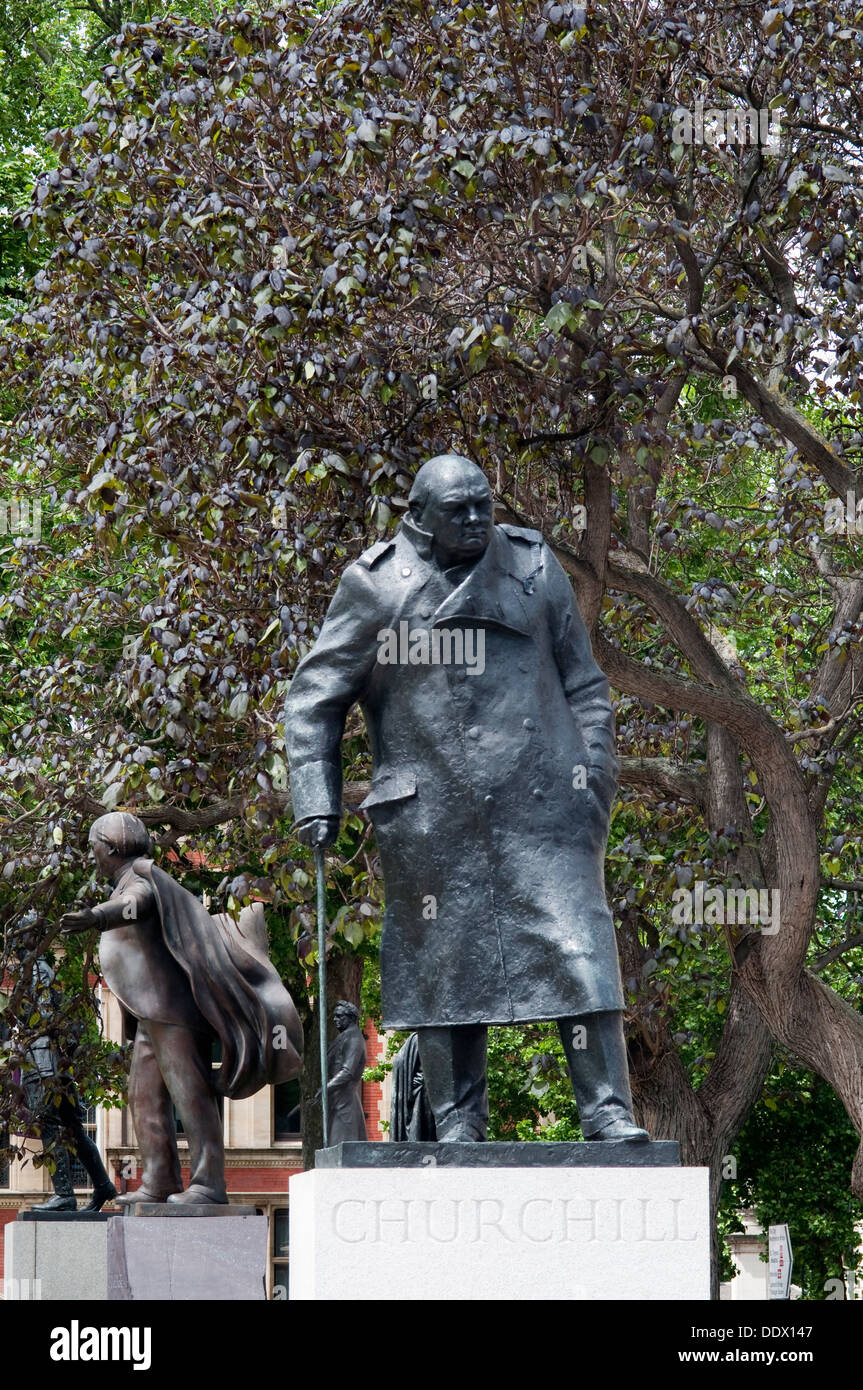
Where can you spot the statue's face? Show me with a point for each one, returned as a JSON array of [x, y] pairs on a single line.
[[105, 859], [458, 514], [343, 1019]]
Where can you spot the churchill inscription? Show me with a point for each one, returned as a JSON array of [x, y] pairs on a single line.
[[540, 1220]]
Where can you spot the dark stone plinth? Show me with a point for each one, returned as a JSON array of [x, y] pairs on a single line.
[[194, 1209], [188, 1261], [612, 1153], [65, 1215]]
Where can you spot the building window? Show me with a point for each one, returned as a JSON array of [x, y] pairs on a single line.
[[280, 1225], [80, 1176], [286, 1110]]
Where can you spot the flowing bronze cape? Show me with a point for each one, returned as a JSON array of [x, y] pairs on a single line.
[[235, 986]]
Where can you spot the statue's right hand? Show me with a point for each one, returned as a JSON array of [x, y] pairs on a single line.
[[72, 922], [322, 830]]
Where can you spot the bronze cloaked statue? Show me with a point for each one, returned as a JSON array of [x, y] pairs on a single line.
[[188, 979], [346, 1060], [494, 771]]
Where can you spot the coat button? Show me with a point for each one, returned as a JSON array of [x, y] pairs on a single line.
[[405, 572], [528, 724], [537, 791], [524, 666], [488, 800], [425, 612], [473, 732]]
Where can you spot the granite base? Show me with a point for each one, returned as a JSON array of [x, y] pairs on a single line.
[[464, 1233]]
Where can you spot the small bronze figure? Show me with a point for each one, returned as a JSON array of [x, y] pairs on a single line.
[[188, 979], [492, 740], [346, 1060]]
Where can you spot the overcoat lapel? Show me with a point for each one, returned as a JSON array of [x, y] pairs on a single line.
[[490, 592]]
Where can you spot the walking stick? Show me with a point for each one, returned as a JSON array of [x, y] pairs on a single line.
[[322, 984]]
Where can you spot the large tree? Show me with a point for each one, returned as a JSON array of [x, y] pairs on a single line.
[[50, 50], [296, 253]]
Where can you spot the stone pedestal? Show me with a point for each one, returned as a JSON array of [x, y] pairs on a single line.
[[57, 1256], [154, 1251], [531, 1227], [176, 1254]]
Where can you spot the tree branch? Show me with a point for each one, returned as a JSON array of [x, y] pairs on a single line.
[[684, 782], [836, 951]]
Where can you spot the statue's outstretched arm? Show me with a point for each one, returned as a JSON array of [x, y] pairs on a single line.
[[136, 902]]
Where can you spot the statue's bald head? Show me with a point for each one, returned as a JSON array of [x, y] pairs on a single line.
[[441, 473], [451, 499], [122, 834]]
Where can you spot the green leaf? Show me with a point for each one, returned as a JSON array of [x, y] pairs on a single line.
[[353, 933], [238, 706], [559, 316]]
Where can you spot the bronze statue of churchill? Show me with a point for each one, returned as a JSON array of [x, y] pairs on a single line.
[[491, 793]]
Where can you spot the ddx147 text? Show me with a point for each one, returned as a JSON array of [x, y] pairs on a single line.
[[722, 1334]]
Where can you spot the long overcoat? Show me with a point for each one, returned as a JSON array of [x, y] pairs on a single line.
[[492, 779]]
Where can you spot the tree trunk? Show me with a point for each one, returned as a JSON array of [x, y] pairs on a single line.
[[706, 1122]]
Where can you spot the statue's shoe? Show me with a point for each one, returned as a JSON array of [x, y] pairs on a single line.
[[621, 1129], [57, 1203], [141, 1194], [105, 1192], [464, 1133], [196, 1195]]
